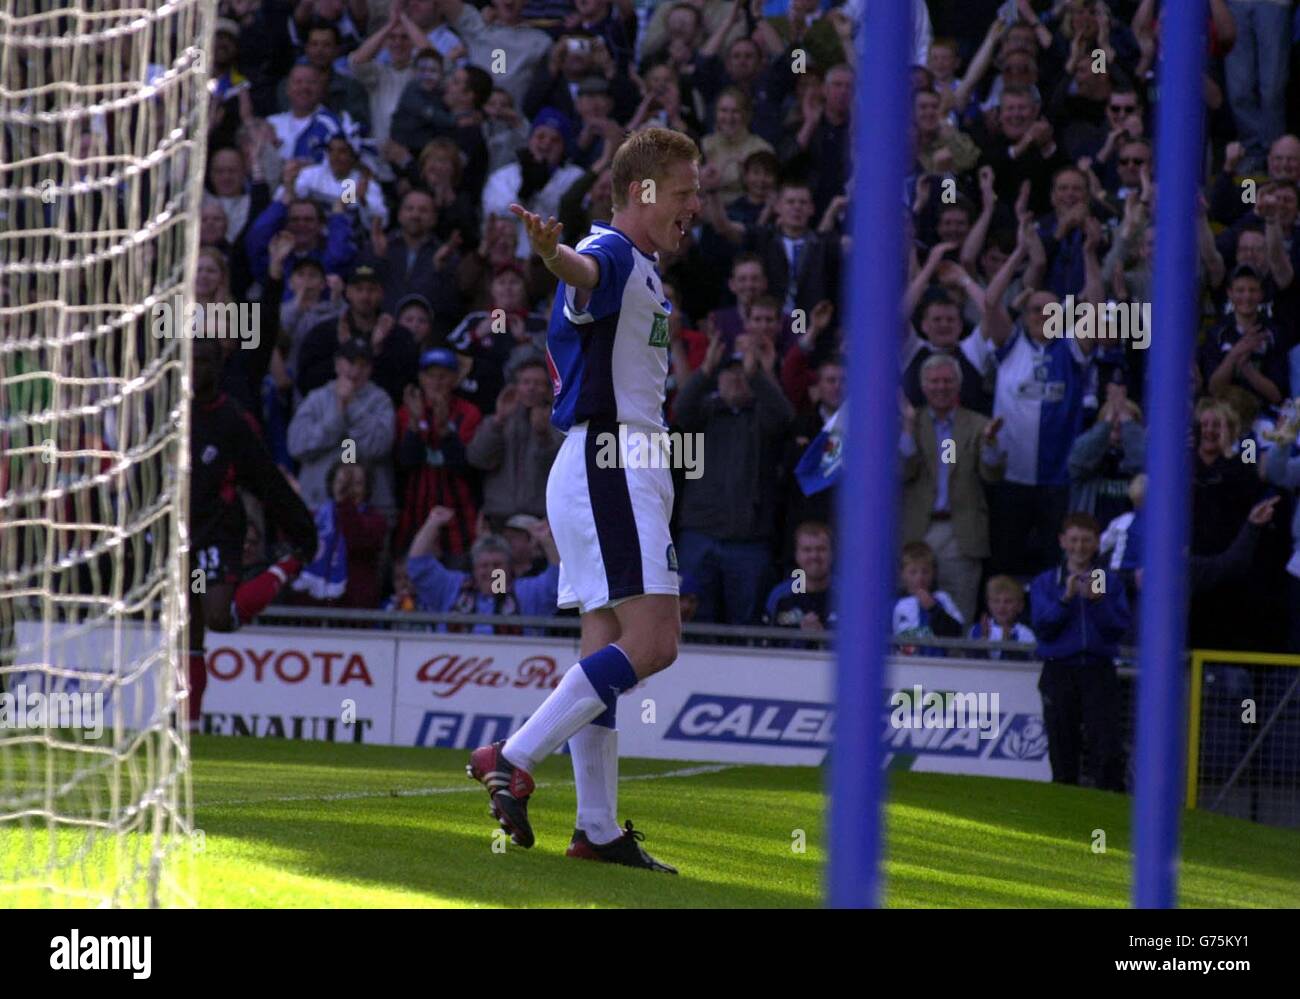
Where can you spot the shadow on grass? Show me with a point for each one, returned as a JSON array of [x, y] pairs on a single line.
[[457, 866], [1224, 861], [440, 845]]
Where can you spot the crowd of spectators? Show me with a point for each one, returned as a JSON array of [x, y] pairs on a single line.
[[362, 158]]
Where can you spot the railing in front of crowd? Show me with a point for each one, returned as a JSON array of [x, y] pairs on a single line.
[[559, 627]]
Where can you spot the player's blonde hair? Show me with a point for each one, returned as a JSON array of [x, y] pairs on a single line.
[[647, 155]]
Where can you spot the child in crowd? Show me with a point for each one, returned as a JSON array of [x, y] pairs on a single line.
[[1006, 602], [923, 611]]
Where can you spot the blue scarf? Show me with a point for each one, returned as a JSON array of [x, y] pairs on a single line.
[[326, 576], [325, 124]]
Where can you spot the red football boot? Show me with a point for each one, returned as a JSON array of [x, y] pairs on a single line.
[[509, 789]]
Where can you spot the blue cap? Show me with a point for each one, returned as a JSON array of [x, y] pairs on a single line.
[[439, 357], [549, 117]]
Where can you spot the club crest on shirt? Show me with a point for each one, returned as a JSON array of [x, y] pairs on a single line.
[[659, 332], [1041, 390], [209, 454]]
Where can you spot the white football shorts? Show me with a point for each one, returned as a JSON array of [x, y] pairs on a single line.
[[610, 521]]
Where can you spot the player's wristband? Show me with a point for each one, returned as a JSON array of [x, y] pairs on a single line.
[[547, 260]]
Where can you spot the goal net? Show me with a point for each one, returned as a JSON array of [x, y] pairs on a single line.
[[103, 109]]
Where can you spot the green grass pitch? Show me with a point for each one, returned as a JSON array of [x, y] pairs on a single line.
[[312, 824], [327, 825]]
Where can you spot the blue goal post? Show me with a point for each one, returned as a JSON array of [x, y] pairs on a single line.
[[1162, 684], [875, 271]]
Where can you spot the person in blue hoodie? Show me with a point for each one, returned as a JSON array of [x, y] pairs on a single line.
[[1080, 612]]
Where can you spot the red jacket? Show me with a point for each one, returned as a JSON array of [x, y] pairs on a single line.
[[436, 473]]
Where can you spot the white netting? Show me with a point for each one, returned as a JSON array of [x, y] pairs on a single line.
[[103, 107]]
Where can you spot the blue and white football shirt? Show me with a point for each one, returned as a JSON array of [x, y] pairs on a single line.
[[609, 360], [1039, 396]]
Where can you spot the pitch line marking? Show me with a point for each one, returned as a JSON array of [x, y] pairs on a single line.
[[476, 788]]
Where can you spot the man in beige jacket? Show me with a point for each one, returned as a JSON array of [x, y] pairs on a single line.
[[948, 452]]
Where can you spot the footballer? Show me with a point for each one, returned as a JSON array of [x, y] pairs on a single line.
[[607, 351]]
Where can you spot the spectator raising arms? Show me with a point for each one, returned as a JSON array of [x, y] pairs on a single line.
[[1039, 396], [305, 220], [491, 587], [345, 571], [392, 349]]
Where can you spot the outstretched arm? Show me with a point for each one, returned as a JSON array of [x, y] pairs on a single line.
[[1212, 259], [573, 268], [259, 474], [371, 46], [425, 541], [1279, 261], [1144, 31], [997, 321], [924, 276], [714, 43], [974, 242], [979, 65]]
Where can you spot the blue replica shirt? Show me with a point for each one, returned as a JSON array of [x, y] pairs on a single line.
[[1123, 539], [1039, 396], [609, 360], [440, 589]]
